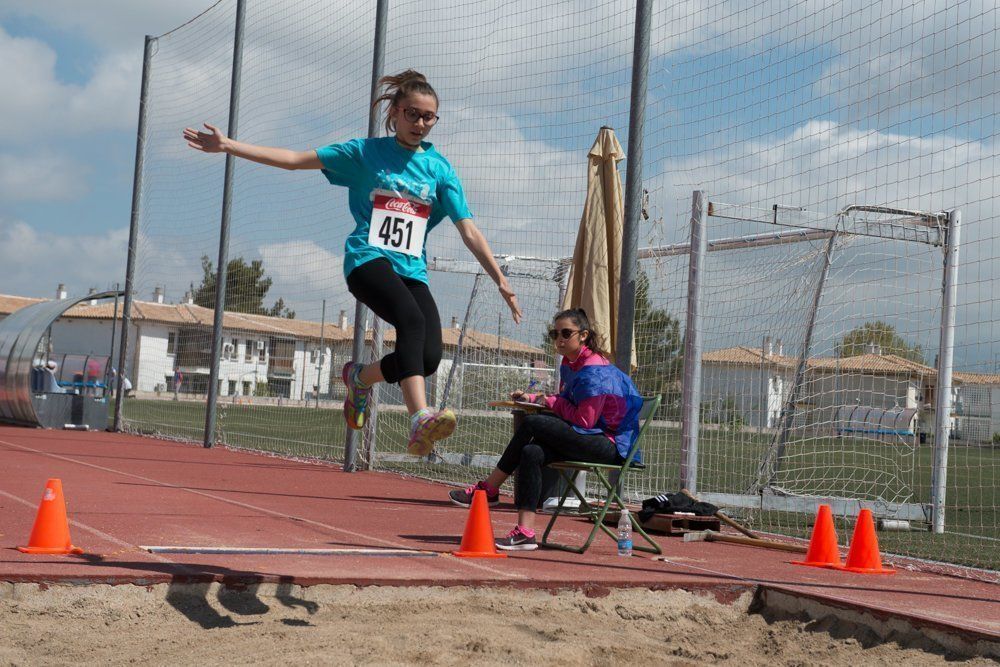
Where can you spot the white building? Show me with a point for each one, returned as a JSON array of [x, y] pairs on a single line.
[[261, 355]]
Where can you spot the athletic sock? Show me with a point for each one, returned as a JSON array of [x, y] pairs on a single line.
[[415, 417], [356, 377]]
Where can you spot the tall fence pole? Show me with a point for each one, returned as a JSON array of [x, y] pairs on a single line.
[[691, 386], [322, 353], [227, 202], [133, 228], [946, 354], [633, 187], [360, 311]]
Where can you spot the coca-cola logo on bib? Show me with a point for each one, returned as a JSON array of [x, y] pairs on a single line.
[[402, 206]]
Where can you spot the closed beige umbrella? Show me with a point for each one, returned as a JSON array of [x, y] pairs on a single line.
[[596, 270]]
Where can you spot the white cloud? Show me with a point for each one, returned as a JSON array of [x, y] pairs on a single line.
[[34, 262], [113, 25], [38, 108], [304, 273], [41, 177]]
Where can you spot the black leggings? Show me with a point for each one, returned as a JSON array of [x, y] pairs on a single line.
[[543, 439], [406, 304]]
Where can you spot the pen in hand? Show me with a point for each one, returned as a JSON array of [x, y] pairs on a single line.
[[519, 395]]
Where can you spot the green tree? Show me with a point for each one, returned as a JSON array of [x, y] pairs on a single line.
[[859, 340], [659, 348], [246, 288]]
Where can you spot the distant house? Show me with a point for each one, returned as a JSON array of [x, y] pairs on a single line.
[[745, 385], [261, 355], [977, 406], [751, 386]]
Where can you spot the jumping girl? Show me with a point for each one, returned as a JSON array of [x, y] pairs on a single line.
[[400, 188]]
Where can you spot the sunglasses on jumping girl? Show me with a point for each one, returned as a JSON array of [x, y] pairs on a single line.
[[563, 333], [412, 115]]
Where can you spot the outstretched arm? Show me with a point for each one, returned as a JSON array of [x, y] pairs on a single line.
[[214, 141], [476, 242]]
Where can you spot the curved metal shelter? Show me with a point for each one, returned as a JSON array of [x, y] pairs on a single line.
[[21, 334]]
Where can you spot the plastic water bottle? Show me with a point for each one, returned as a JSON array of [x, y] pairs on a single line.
[[625, 534]]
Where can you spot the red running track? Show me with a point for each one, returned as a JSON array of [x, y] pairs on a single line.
[[124, 491]]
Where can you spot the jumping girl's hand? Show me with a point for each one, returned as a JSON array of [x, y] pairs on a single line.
[[207, 142], [511, 299]]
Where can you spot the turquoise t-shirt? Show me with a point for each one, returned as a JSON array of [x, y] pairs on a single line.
[[421, 184]]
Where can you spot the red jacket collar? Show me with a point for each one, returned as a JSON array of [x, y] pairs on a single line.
[[586, 357]]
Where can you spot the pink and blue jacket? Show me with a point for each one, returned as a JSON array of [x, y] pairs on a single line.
[[595, 397]]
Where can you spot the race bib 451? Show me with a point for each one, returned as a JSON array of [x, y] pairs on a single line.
[[398, 224]]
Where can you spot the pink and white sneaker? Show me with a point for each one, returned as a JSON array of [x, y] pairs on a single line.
[[428, 429]]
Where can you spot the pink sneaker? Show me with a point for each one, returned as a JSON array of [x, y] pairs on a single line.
[[428, 430]]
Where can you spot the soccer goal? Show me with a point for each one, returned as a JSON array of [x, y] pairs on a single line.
[[808, 377]]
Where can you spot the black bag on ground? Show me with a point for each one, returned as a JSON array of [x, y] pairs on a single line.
[[671, 503]]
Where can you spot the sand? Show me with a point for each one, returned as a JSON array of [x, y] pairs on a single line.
[[285, 624]]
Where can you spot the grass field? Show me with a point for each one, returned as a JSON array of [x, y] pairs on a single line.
[[728, 463]]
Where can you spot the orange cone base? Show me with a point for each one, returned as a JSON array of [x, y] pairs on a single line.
[[51, 550], [477, 554], [868, 570], [829, 566]]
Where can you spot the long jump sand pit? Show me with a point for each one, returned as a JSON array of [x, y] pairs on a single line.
[[285, 624]]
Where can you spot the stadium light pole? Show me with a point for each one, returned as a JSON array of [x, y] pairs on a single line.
[[227, 202], [133, 229], [360, 311], [633, 187]]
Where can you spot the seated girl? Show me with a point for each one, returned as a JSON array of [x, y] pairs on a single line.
[[594, 418]]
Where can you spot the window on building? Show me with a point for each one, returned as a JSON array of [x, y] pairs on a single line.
[[261, 351], [248, 353], [232, 387], [246, 387], [171, 342]]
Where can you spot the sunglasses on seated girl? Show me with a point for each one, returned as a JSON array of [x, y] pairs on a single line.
[[564, 333]]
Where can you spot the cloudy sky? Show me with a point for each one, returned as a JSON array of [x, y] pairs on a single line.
[[71, 75], [797, 102]]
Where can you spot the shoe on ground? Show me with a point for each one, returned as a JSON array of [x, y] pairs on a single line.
[[572, 504], [463, 497], [517, 541], [428, 430], [356, 400]]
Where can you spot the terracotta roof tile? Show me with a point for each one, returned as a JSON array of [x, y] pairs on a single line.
[[977, 378], [9, 303], [193, 315], [888, 364], [747, 356], [875, 363]]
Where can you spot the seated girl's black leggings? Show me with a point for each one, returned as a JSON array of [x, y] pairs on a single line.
[[543, 439], [407, 305]]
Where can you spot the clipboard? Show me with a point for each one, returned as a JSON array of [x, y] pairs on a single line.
[[521, 405]]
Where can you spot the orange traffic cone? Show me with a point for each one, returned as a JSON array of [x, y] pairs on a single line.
[[50, 534], [822, 550], [477, 540], [863, 555]]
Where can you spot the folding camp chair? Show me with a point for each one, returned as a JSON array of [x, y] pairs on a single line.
[[601, 472]]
